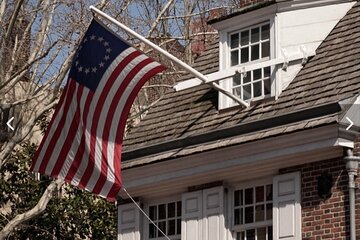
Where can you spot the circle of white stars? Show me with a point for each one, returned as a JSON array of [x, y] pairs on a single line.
[[95, 68]]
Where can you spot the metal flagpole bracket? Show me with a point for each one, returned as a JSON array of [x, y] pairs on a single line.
[[171, 57], [305, 55], [286, 59]]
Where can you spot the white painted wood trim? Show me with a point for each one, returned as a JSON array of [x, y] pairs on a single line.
[[227, 73], [256, 158]]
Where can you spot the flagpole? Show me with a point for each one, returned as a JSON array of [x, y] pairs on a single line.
[[169, 56]]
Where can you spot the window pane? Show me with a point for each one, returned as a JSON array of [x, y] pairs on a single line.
[[247, 78], [255, 35], [267, 87], [237, 91], [266, 72], [162, 226], [245, 38], [247, 93], [249, 194], [237, 80], [178, 209], [171, 210], [259, 192], [237, 216], [240, 236], [236, 198], [152, 231], [162, 211], [259, 213], [234, 58], [261, 233], [250, 234], [249, 214], [265, 32], [178, 226], [270, 233], [269, 192], [269, 211], [255, 52], [171, 227], [257, 74], [245, 55], [265, 49], [234, 40], [257, 89], [152, 212]]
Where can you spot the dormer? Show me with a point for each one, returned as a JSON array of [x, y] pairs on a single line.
[[263, 46]]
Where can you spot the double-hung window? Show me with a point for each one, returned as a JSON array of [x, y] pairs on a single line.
[[168, 218], [249, 46], [253, 208]]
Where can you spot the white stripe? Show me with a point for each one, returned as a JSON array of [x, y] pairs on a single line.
[[51, 131], [104, 113], [116, 119], [70, 114], [77, 139], [84, 161]]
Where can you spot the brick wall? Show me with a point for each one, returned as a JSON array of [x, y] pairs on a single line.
[[357, 145], [326, 219]]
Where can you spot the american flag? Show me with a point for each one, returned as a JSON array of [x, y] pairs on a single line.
[[83, 142]]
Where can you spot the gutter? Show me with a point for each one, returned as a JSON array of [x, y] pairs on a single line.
[[236, 130]]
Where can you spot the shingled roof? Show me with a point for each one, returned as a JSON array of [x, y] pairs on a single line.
[[332, 75]]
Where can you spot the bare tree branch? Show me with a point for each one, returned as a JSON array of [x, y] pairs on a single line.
[[13, 19], [156, 22]]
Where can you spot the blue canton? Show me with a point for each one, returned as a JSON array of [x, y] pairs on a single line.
[[97, 51]]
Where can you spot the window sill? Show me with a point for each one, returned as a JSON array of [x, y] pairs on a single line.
[[252, 104]]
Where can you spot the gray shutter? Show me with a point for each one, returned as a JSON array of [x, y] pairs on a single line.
[[287, 208], [213, 215], [191, 223], [128, 222]]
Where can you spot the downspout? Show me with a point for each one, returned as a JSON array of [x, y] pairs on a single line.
[[352, 165]]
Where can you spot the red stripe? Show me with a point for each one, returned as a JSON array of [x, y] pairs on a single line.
[[63, 154], [112, 195], [80, 152], [90, 167], [115, 101], [57, 109], [59, 128]]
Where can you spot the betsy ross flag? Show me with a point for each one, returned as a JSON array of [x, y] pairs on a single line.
[[82, 144]]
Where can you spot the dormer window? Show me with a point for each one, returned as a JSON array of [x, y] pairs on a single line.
[[263, 48], [251, 45]]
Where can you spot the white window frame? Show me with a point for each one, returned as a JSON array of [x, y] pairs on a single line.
[[249, 184], [247, 22], [147, 222]]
